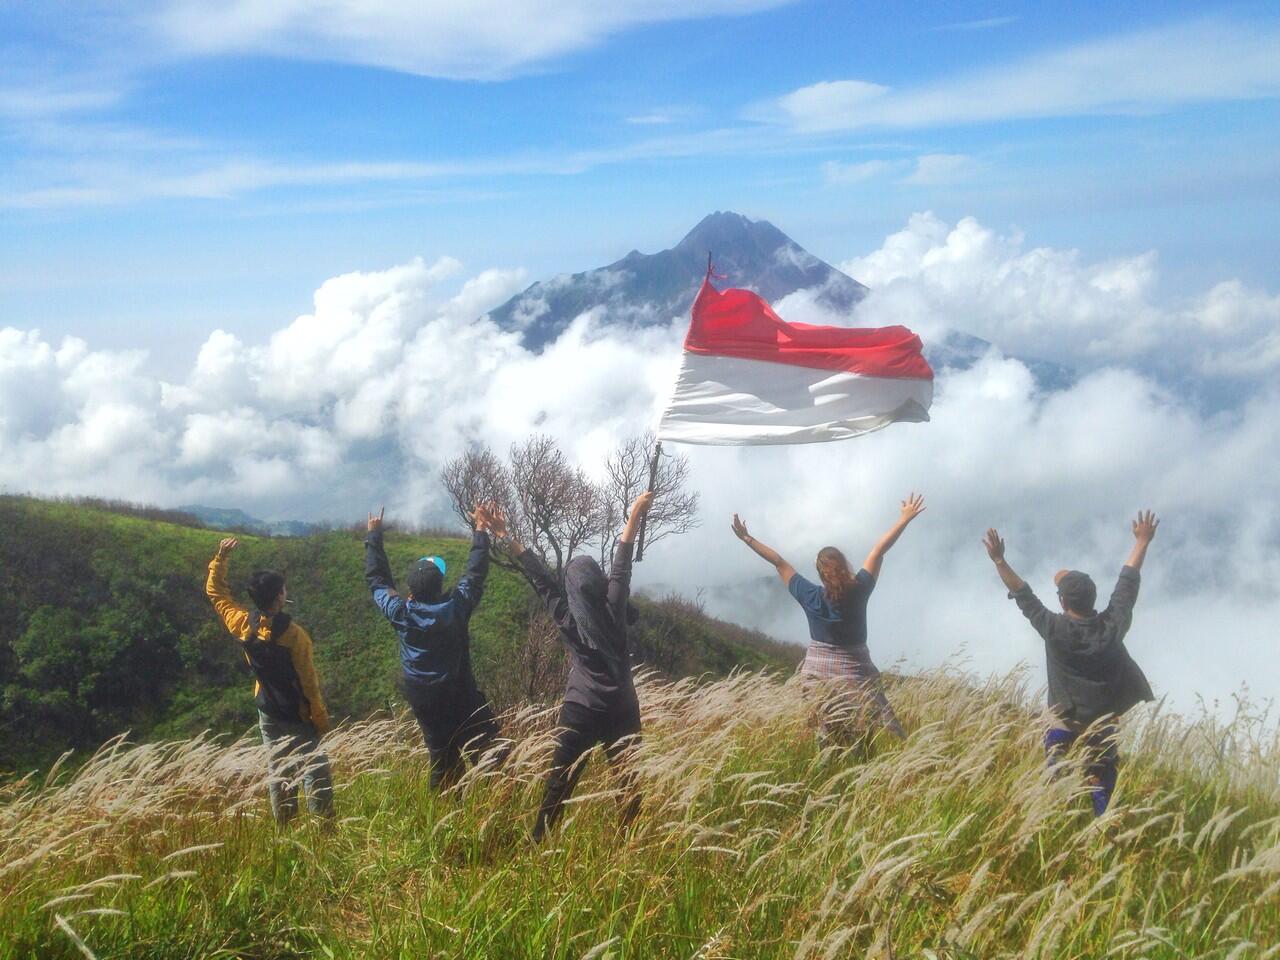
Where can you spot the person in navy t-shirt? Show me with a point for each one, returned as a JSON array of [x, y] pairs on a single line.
[[836, 609]]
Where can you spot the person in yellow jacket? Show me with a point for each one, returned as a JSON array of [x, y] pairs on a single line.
[[291, 712]]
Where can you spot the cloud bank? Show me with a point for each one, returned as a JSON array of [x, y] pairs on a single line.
[[361, 399]]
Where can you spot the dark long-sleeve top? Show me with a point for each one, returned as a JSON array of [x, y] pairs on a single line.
[[599, 660], [435, 640], [1091, 674]]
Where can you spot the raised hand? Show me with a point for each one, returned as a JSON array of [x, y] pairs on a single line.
[[375, 523], [641, 504], [912, 507], [495, 521], [994, 545], [1144, 528], [740, 529], [227, 545], [484, 515]]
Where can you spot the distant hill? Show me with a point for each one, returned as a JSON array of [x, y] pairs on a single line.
[[104, 627], [232, 518]]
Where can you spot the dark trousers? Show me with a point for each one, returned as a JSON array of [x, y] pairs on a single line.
[[1101, 758], [458, 726], [581, 728]]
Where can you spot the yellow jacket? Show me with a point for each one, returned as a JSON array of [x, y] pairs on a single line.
[[296, 640]]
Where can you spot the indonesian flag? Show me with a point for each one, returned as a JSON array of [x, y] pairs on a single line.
[[749, 377]]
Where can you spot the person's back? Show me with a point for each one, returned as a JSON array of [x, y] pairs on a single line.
[[1092, 678], [837, 665], [292, 715], [592, 613], [435, 637], [1090, 672], [594, 630], [433, 628]]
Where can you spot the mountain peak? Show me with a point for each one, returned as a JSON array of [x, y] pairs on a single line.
[[727, 230], [649, 289]]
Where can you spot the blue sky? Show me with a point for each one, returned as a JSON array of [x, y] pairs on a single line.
[[177, 165]]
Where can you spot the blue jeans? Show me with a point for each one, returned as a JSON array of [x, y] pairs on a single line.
[[295, 756], [1100, 757]]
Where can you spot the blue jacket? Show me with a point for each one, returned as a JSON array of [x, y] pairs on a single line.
[[435, 643]]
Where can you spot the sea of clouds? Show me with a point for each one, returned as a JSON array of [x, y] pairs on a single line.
[[359, 402]]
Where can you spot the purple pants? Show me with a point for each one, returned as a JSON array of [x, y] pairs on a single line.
[[1101, 758]]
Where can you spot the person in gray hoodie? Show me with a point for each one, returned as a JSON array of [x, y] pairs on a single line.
[[1092, 678], [592, 612]]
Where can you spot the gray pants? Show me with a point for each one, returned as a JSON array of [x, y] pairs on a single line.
[[295, 756]]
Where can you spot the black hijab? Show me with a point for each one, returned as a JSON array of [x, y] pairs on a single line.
[[587, 590]]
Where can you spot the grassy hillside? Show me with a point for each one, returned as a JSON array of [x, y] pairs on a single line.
[[752, 843], [104, 627]]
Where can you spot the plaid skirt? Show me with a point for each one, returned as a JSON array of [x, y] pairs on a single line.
[[847, 688], [825, 661]]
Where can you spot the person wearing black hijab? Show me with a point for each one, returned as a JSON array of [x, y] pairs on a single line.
[[592, 612]]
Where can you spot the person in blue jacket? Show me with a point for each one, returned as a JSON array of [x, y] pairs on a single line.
[[457, 719]]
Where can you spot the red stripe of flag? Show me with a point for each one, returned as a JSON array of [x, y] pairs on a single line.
[[738, 323]]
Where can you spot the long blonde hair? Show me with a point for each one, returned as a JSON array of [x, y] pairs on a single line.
[[833, 570]]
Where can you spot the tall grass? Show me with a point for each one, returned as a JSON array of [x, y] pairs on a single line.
[[753, 842]]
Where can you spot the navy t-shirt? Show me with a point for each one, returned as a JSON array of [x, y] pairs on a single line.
[[843, 624]]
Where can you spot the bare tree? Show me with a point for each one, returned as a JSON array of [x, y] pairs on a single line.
[[475, 477], [559, 507], [554, 508], [675, 507]]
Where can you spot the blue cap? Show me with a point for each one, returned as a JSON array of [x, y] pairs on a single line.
[[438, 561]]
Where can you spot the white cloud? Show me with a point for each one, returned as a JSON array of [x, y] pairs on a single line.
[[1051, 302], [939, 169], [490, 39], [837, 173], [360, 400], [1202, 60], [655, 118], [966, 26]]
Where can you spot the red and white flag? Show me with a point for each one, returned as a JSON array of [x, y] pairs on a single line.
[[749, 377]]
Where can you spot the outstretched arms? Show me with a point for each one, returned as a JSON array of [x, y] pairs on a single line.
[[1144, 531], [234, 616], [912, 507], [785, 570]]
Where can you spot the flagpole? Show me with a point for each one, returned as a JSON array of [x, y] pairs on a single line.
[[653, 478]]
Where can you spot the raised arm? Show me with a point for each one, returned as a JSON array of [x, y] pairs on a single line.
[[377, 572], [1036, 612], [1125, 595], [620, 571], [912, 507], [1144, 531], [471, 585], [531, 565], [785, 570], [995, 550], [234, 616]]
